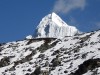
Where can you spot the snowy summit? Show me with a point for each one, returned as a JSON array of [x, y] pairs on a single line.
[[76, 55], [53, 26]]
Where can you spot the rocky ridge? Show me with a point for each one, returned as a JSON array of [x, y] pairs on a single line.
[[71, 55]]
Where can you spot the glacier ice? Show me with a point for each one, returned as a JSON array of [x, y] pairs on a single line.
[[53, 26]]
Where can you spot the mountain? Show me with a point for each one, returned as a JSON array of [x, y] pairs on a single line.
[[55, 50], [53, 26], [71, 55]]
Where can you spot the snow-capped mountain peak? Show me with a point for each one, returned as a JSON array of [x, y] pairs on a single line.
[[53, 26], [57, 20], [76, 55]]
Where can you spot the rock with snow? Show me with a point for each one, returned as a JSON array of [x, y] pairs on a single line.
[[53, 26], [29, 37], [76, 55]]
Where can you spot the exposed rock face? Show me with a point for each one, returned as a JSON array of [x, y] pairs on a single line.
[[53, 26], [5, 61], [88, 65]]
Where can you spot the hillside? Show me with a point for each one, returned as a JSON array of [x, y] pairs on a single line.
[[71, 55]]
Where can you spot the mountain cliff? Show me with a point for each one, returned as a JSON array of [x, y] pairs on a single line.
[[53, 26]]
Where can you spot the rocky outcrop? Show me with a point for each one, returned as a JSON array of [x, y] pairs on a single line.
[[90, 64]]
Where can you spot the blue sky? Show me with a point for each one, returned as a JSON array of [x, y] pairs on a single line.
[[19, 18]]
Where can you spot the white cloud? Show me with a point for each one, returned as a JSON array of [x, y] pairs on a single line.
[[65, 6]]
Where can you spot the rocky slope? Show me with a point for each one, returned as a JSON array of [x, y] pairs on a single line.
[[74, 55], [53, 26]]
